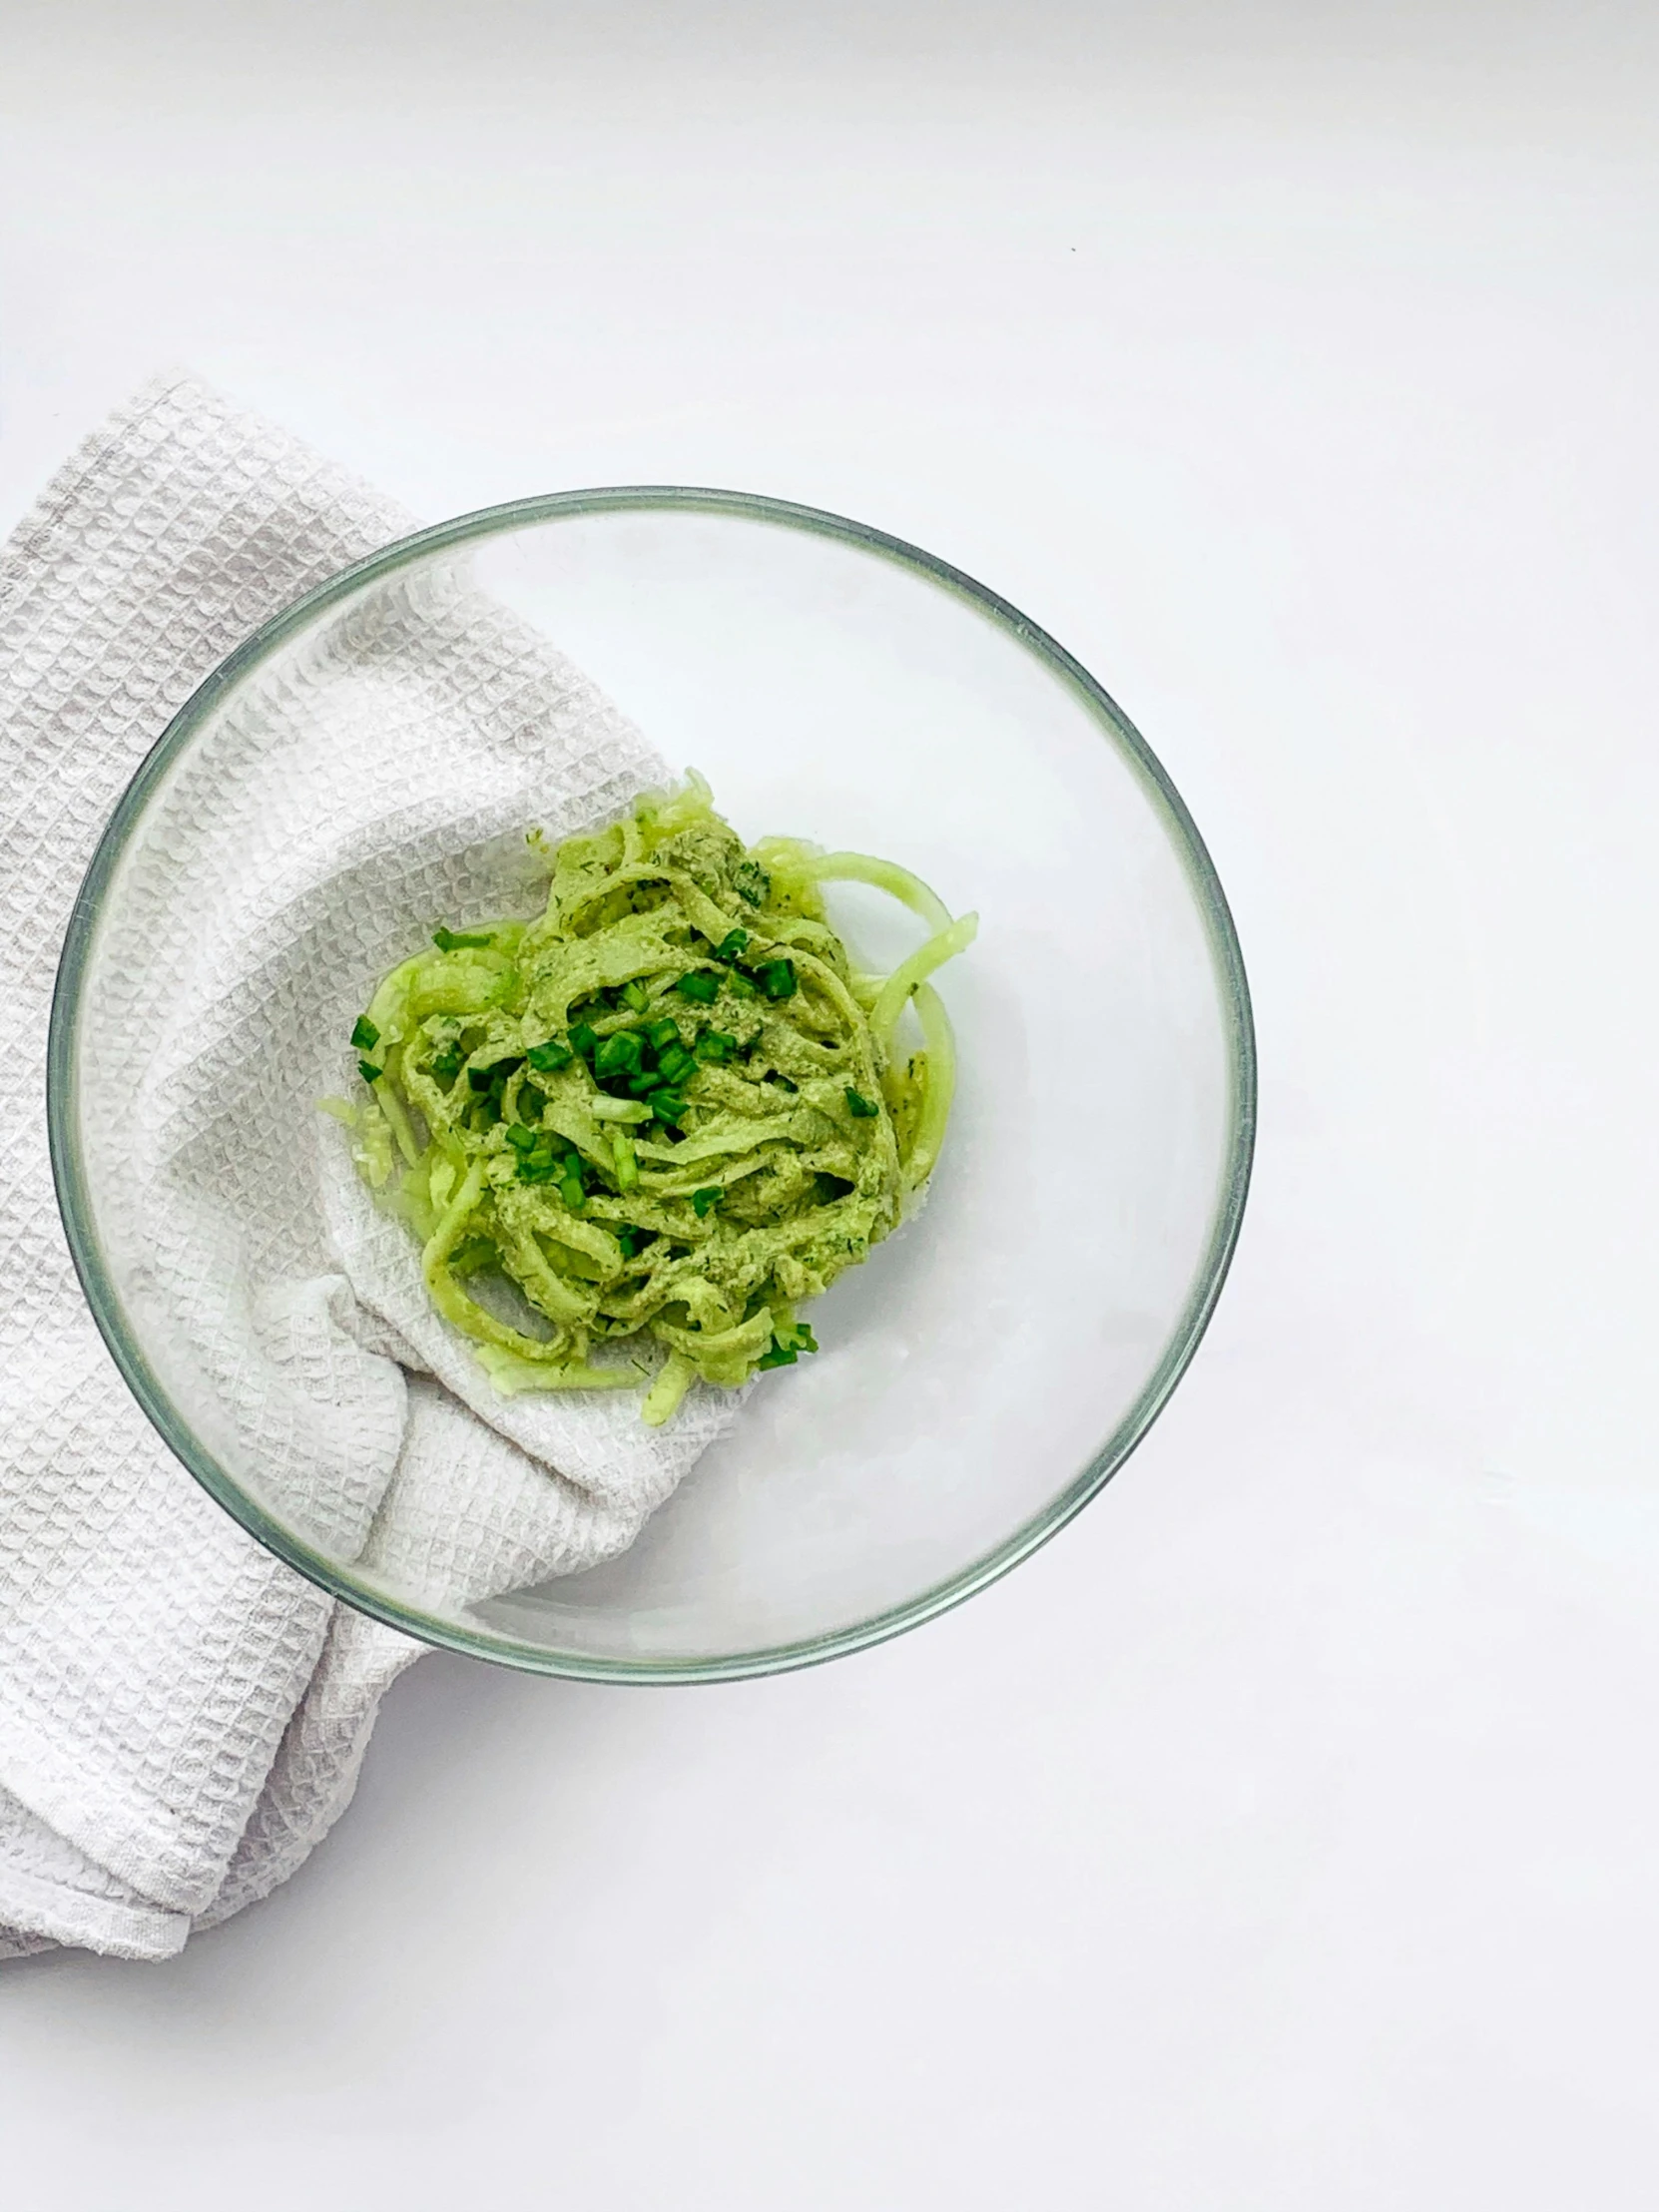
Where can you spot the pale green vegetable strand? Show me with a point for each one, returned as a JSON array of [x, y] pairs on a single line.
[[651, 1123]]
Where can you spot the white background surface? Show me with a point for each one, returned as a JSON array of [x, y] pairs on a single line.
[[1283, 1836]]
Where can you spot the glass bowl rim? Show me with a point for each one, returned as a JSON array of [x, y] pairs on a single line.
[[479, 1642]]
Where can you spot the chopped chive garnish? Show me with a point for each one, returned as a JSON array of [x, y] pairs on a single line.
[[659, 1033], [618, 1055], [633, 995], [648, 1080], [786, 1346], [446, 1065], [571, 1190], [520, 1138], [703, 1200], [666, 1106], [714, 1044], [778, 978], [731, 945], [548, 1058], [633, 1241], [626, 1165], [369, 1072], [676, 1063], [860, 1105], [364, 1035], [584, 1037], [705, 989], [447, 941]]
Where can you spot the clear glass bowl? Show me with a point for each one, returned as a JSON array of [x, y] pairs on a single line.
[[985, 1373]]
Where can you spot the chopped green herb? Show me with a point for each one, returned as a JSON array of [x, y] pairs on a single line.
[[447, 941], [659, 1033], [633, 1241], [364, 1035], [633, 995], [730, 946], [668, 1106], [571, 1190], [715, 1045], [520, 1138], [676, 1063], [861, 1106], [584, 1037], [703, 1200], [548, 1058], [705, 989], [788, 1345], [369, 1072], [752, 882], [446, 1065], [618, 1055], [778, 978]]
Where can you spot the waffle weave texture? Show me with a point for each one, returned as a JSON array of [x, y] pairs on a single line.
[[182, 1717]]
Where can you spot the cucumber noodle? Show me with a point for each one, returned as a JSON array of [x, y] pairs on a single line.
[[669, 1109]]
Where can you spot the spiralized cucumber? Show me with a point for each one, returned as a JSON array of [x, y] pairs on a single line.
[[668, 1110]]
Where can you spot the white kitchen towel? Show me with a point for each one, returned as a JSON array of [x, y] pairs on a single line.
[[182, 1717]]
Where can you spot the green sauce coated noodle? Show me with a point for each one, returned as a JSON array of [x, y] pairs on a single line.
[[670, 1109]]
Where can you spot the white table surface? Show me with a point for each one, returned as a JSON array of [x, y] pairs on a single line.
[[1283, 1834]]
